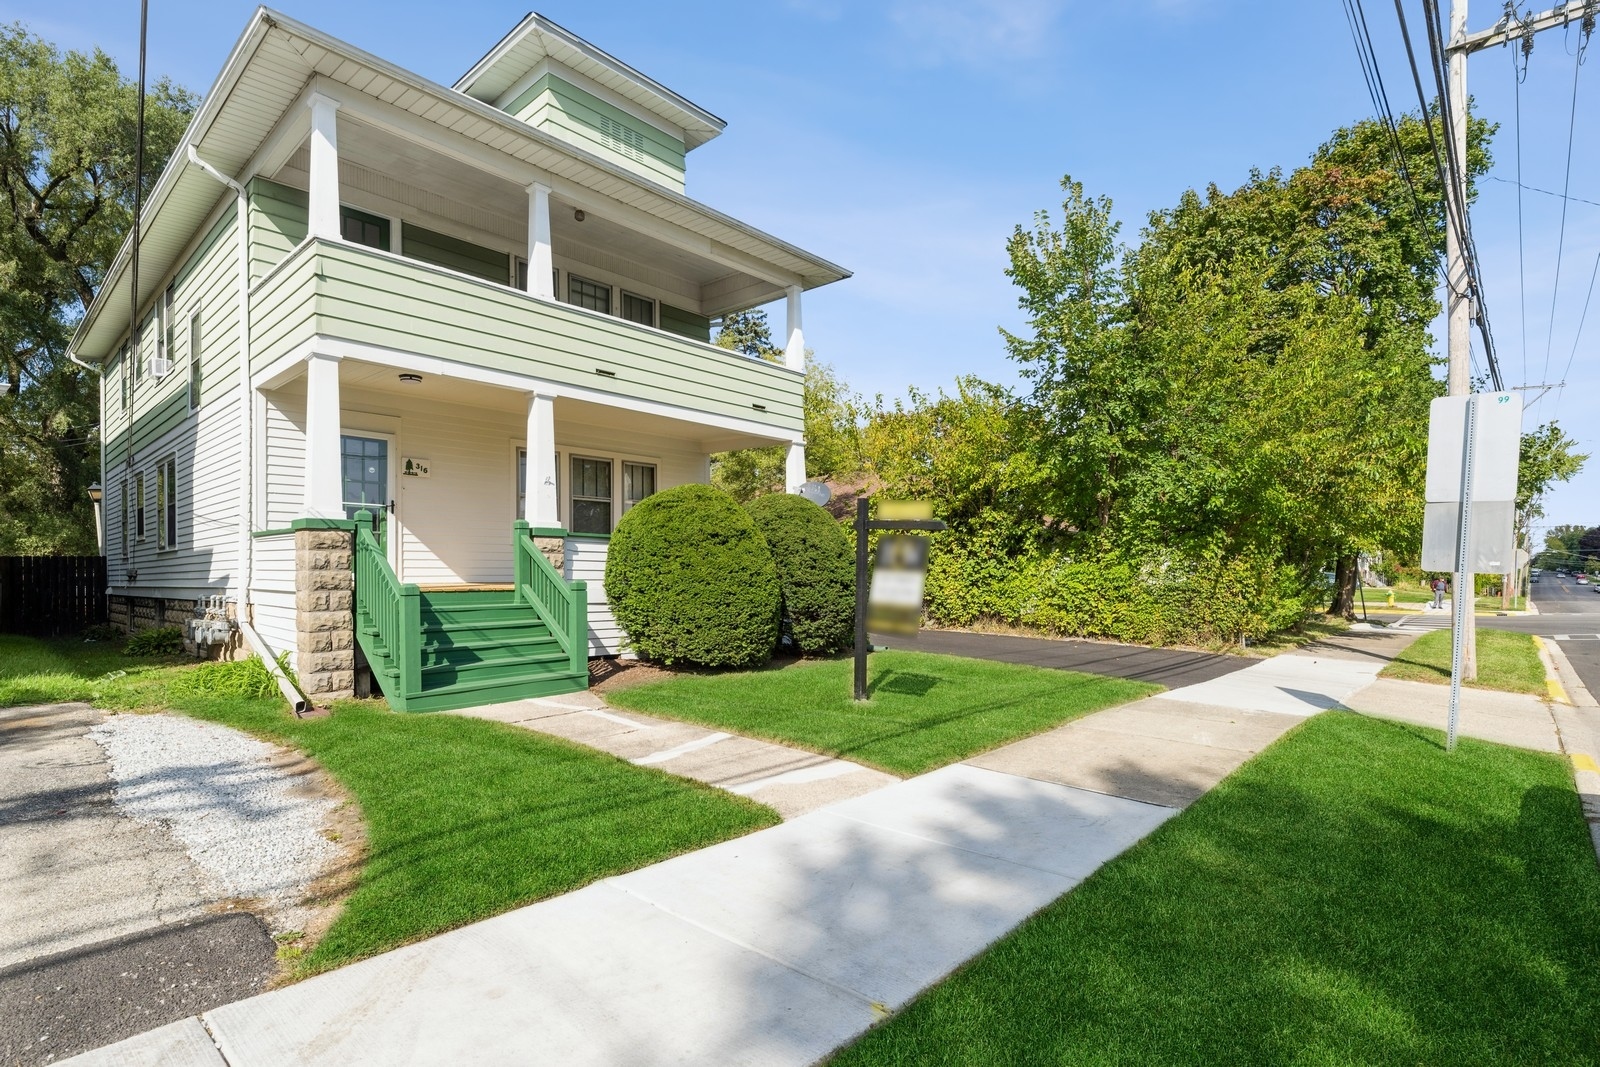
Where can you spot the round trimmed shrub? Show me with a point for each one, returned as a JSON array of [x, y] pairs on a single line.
[[690, 580], [816, 571]]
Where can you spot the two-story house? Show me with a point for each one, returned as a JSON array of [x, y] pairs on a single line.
[[407, 352]]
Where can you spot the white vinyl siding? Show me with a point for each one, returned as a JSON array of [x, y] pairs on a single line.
[[586, 561], [272, 591]]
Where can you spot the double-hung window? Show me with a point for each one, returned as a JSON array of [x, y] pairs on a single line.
[[194, 362], [591, 495], [638, 482], [168, 331], [138, 504], [581, 292], [167, 504], [126, 547], [124, 375]]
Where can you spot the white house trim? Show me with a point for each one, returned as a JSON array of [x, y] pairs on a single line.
[[324, 489], [322, 212], [539, 491]]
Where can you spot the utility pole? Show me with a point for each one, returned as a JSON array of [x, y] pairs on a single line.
[[1459, 315], [1511, 27]]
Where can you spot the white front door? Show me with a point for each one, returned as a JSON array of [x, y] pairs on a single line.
[[367, 462]]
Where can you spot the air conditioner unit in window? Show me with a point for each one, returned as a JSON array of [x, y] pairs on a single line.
[[160, 366]]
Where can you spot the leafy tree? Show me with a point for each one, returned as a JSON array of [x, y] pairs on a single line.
[[1561, 545], [1547, 458], [832, 436], [67, 133]]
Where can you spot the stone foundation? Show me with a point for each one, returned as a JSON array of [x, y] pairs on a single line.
[[324, 583], [553, 549]]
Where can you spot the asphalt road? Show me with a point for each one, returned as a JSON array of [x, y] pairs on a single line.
[[1569, 614], [1163, 666]]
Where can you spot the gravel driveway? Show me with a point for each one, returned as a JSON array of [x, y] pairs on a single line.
[[122, 838]]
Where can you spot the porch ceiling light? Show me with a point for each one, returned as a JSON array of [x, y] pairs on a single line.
[[411, 378], [579, 215]]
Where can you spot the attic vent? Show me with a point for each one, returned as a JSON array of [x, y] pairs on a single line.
[[622, 139]]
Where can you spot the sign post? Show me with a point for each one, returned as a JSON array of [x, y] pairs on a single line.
[[1474, 444], [896, 594]]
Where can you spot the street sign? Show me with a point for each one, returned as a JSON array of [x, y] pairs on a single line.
[[1497, 423]]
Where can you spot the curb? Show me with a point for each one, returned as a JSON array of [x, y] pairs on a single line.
[[1558, 667]]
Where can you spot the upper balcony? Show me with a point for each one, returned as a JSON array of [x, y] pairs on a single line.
[[370, 302]]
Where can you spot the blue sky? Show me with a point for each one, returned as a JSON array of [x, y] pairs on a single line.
[[904, 139]]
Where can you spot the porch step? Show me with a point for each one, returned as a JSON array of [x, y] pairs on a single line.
[[466, 663], [496, 690], [453, 647]]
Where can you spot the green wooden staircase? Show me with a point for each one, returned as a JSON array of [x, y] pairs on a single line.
[[436, 651]]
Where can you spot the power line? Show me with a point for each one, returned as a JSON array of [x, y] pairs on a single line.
[[1561, 240], [1581, 320], [1546, 192]]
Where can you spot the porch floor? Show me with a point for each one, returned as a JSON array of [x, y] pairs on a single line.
[[467, 587]]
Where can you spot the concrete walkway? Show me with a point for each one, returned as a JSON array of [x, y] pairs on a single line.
[[779, 947], [790, 780]]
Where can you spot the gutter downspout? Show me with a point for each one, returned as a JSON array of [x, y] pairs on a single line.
[[297, 703], [246, 508]]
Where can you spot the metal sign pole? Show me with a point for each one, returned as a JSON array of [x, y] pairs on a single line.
[[1464, 596], [861, 598]]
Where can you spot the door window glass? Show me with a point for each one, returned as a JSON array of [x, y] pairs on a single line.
[[365, 462]]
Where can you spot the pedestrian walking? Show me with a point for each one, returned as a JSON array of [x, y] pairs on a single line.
[[1438, 593]]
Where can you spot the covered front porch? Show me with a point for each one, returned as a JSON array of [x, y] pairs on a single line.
[[442, 467]]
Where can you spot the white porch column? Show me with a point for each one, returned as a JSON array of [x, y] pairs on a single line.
[[794, 467], [794, 353], [540, 264], [324, 488], [540, 489], [323, 211]]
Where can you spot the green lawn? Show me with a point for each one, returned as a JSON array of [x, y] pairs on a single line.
[[1506, 661], [464, 818], [923, 711], [1353, 895]]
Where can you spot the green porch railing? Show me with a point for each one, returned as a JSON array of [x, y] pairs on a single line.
[[563, 606], [388, 613]]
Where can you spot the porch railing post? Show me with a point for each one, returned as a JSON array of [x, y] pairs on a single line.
[[408, 640], [522, 564], [578, 616]]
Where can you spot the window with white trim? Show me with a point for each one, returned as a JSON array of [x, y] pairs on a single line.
[[591, 495], [640, 309], [167, 333], [167, 504], [124, 375], [126, 547], [638, 482], [581, 292], [194, 362], [138, 504]]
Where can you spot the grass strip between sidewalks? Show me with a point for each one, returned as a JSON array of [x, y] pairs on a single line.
[[1352, 895], [1506, 661], [465, 818], [923, 711]]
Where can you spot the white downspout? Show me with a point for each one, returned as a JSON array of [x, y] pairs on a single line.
[[247, 494]]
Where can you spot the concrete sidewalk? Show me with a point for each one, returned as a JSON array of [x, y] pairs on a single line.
[[792, 781], [778, 947]]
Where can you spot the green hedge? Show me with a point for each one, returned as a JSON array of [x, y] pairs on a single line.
[[1155, 599], [816, 571], [690, 580]]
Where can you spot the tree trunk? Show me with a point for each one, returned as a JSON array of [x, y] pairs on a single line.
[[1344, 588]]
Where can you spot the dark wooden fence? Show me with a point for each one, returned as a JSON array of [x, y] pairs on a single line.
[[47, 596]]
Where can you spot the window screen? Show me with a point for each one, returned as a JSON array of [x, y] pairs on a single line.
[[638, 482]]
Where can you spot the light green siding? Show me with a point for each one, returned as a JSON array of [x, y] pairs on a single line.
[[686, 323], [369, 298], [561, 108], [278, 222], [452, 252]]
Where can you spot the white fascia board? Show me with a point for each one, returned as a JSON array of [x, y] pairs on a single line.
[[211, 106], [701, 125], [284, 369]]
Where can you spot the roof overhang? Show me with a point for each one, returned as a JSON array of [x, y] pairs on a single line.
[[536, 38], [269, 69]]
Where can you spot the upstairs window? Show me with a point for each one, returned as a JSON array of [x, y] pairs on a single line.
[[194, 362], [138, 504], [169, 329], [363, 228], [126, 551], [640, 309], [124, 379], [583, 293]]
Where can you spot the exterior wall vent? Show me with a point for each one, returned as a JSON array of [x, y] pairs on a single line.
[[622, 139]]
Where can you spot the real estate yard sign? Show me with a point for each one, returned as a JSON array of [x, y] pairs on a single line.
[[895, 603]]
